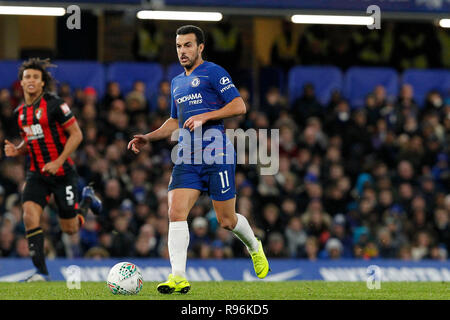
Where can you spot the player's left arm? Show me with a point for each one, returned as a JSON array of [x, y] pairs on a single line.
[[235, 107]]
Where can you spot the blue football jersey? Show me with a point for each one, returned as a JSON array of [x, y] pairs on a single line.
[[209, 87]]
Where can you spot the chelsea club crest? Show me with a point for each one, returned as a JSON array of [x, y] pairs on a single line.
[[195, 82]]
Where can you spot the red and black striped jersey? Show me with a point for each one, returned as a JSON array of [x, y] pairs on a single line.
[[42, 126]]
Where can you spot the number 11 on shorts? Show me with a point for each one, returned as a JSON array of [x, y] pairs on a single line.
[[225, 182]]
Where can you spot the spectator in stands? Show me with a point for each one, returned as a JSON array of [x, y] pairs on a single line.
[[162, 108], [288, 209], [333, 250], [295, 237], [6, 241], [219, 251], [271, 220], [276, 246], [273, 104], [404, 253], [90, 96], [421, 246], [16, 93], [406, 101], [21, 248], [136, 101], [89, 234], [442, 227], [387, 247], [307, 106], [122, 242], [311, 249], [288, 144], [434, 103], [437, 253], [113, 92], [227, 240], [199, 236], [317, 222], [7, 122], [97, 253], [336, 199], [338, 231], [268, 189], [337, 120], [373, 112]]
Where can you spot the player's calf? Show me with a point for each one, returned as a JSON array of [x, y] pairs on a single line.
[[228, 222]]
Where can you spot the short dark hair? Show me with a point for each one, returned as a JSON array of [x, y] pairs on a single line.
[[41, 65], [200, 36]]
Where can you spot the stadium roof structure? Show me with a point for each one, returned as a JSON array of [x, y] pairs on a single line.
[[405, 9]]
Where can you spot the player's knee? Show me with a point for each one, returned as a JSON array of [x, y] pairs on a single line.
[[30, 216], [176, 215]]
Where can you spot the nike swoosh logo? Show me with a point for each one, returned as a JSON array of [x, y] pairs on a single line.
[[223, 191], [179, 282], [14, 277], [280, 276]]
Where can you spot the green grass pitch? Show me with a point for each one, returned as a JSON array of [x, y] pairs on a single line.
[[235, 290]]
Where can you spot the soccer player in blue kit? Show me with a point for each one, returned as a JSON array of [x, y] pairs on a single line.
[[201, 97]]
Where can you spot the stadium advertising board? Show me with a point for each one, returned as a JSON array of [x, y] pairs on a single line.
[[237, 269]]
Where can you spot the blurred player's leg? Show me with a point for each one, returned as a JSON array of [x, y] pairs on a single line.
[[71, 225], [90, 201], [181, 202], [238, 224], [35, 236]]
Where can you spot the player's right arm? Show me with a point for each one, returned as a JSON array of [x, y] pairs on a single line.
[[163, 132], [12, 150]]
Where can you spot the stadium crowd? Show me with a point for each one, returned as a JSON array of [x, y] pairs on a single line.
[[359, 183]]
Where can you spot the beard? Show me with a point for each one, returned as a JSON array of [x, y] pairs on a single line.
[[190, 63]]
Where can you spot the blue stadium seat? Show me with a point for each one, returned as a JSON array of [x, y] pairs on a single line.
[[360, 81], [173, 70], [80, 74], [8, 73], [325, 80], [126, 73], [423, 81]]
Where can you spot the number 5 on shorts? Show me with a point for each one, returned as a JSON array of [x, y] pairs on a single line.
[[70, 196]]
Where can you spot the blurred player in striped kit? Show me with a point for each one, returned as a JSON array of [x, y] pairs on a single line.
[[50, 134]]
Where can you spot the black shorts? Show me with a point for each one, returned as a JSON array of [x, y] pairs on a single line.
[[38, 188]]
